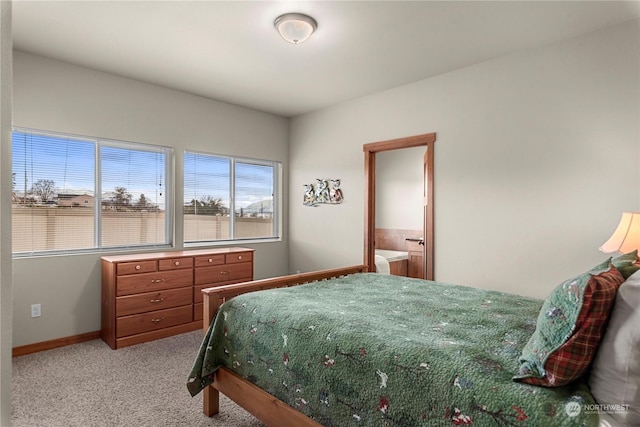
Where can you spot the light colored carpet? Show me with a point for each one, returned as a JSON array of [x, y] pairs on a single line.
[[89, 384]]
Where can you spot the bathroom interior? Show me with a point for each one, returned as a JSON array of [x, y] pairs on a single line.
[[399, 212]]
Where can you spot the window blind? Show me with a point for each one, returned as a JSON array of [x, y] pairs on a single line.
[[228, 198], [254, 192], [66, 191], [207, 194], [133, 189]]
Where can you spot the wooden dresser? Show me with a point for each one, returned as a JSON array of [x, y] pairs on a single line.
[[155, 295]]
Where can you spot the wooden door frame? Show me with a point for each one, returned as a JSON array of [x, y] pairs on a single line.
[[370, 151]]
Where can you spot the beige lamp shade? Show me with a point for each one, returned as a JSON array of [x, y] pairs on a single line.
[[626, 238]]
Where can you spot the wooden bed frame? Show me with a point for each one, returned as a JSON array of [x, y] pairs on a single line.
[[266, 408]]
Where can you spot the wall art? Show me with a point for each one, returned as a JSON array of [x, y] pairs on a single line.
[[325, 191]]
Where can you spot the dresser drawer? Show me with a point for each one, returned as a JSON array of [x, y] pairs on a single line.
[[238, 257], [197, 290], [197, 311], [141, 303], [175, 263], [136, 267], [149, 282], [138, 323], [223, 273], [208, 260]]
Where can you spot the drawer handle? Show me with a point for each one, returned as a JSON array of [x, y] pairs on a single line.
[[157, 280], [210, 260], [224, 272], [157, 300], [138, 267], [239, 256], [157, 320], [177, 263]]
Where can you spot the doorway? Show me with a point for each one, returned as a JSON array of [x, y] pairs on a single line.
[[370, 150]]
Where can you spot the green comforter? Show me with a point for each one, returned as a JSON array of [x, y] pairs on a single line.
[[378, 350]]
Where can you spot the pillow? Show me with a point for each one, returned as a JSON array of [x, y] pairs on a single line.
[[569, 328], [627, 263], [615, 375]]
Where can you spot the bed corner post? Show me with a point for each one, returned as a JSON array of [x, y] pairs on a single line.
[[210, 306], [210, 395], [211, 401]]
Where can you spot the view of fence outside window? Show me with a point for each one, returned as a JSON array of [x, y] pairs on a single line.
[[228, 198], [79, 193]]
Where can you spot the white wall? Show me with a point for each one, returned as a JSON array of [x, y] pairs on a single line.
[[536, 157], [6, 288], [399, 188], [55, 96]]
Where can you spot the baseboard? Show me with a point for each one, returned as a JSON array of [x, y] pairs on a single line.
[[48, 345]]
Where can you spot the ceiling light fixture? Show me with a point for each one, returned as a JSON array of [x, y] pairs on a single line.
[[295, 27]]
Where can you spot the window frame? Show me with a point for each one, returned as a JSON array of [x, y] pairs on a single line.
[[277, 201], [169, 209]]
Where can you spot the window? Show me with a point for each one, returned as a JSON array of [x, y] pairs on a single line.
[[228, 198], [78, 193]]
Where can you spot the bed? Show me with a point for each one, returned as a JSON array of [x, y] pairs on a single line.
[[364, 349]]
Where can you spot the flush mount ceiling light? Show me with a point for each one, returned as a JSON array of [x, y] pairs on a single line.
[[295, 27]]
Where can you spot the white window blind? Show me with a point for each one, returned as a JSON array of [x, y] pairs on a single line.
[[227, 198], [75, 193], [207, 194], [133, 189], [52, 178], [254, 192]]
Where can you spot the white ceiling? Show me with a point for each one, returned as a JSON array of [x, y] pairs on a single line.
[[230, 51]]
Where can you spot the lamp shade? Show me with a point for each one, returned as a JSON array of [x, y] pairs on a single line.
[[626, 237], [295, 27]]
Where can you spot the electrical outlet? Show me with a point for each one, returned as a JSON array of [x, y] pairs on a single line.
[[36, 310]]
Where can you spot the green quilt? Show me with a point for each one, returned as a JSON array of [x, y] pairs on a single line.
[[379, 350]]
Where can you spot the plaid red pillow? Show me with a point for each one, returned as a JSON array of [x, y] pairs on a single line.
[[569, 329]]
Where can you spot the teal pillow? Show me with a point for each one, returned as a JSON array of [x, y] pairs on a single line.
[[627, 263], [569, 328]]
